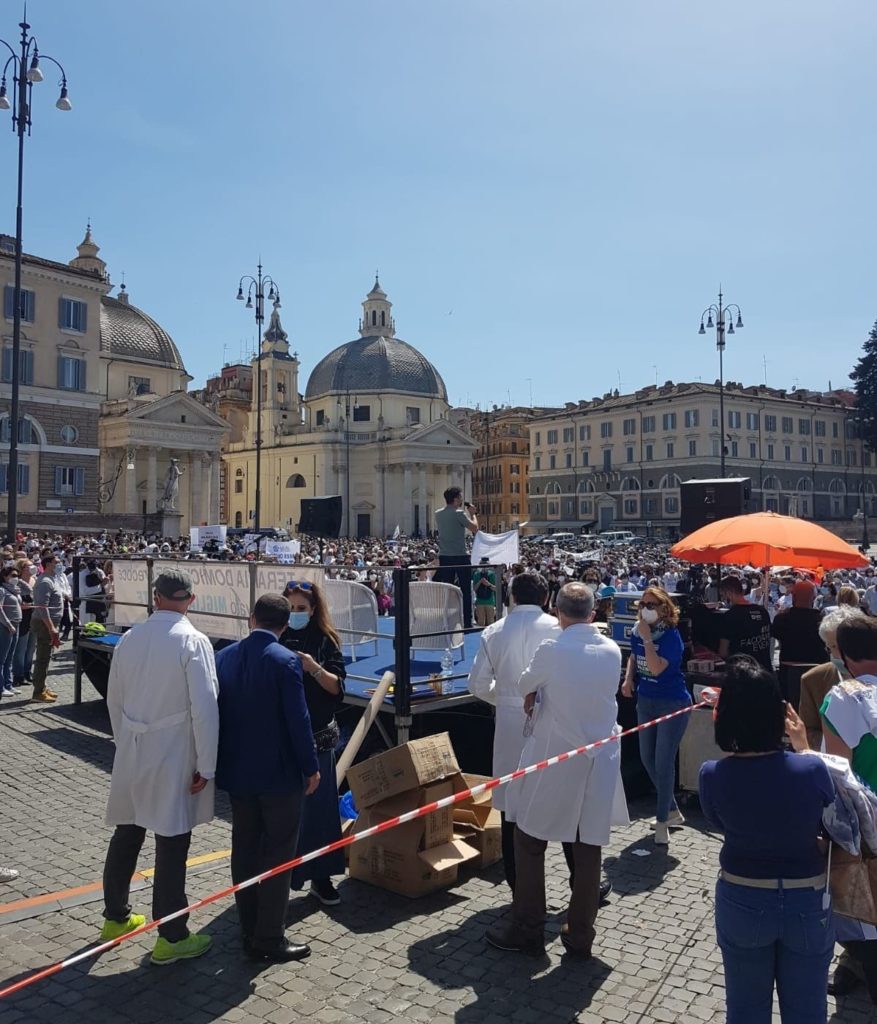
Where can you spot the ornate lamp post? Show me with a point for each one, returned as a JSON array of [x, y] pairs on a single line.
[[26, 72], [255, 296], [723, 315]]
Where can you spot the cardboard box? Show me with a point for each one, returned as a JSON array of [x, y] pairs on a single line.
[[486, 839], [473, 810], [424, 833], [408, 872], [410, 766]]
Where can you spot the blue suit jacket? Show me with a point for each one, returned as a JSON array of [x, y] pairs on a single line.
[[265, 739]]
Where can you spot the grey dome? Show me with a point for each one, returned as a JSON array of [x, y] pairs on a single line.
[[129, 333], [376, 363]]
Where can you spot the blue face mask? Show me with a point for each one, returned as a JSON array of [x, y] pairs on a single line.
[[298, 620], [839, 665]]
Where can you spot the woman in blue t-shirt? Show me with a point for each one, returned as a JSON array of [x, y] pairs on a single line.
[[773, 916], [654, 674]]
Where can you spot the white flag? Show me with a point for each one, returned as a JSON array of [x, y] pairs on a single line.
[[397, 532], [498, 548]]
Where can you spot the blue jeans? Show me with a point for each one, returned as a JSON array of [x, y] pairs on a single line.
[[23, 659], [8, 643], [770, 936], [658, 746]]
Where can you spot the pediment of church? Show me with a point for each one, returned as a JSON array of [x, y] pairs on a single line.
[[175, 410], [442, 432]]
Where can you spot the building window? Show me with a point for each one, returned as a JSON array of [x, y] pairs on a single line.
[[650, 452], [629, 454], [538, 438], [25, 366], [69, 480], [569, 460], [238, 487], [552, 508], [28, 304], [585, 507], [671, 448], [734, 419], [631, 506], [692, 448], [714, 419], [804, 427], [820, 455], [139, 386], [650, 506], [770, 452], [648, 424], [629, 427], [715, 447], [851, 456], [734, 449], [23, 478], [362, 413], [834, 431], [296, 480], [692, 418], [805, 455], [552, 462], [586, 459], [752, 421], [552, 437], [770, 424], [538, 464], [72, 315], [606, 429], [819, 428], [671, 505], [787, 452], [71, 373], [514, 448], [753, 450], [568, 435], [26, 432], [515, 469], [788, 424], [321, 417], [669, 420], [585, 432], [69, 434], [607, 460]]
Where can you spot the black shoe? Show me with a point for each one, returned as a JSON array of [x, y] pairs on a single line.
[[605, 890], [582, 954], [282, 954], [505, 938], [325, 892]]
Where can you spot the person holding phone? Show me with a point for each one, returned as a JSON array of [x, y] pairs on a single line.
[[654, 676]]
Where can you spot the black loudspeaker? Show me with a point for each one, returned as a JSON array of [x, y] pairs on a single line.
[[705, 501], [321, 517]]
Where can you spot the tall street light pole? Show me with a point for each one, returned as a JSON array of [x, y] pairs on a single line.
[[26, 72], [347, 457], [724, 321], [255, 296]]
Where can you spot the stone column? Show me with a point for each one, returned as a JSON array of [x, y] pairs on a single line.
[[378, 526], [421, 495], [213, 474], [407, 525], [151, 480], [467, 483], [196, 467], [131, 483]]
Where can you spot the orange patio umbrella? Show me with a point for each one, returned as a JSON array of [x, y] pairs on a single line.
[[766, 538]]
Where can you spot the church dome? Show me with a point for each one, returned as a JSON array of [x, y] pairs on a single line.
[[129, 333], [377, 361]]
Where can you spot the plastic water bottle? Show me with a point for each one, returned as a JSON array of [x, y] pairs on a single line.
[[447, 671]]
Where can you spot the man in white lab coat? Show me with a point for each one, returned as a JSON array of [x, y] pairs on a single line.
[[571, 685], [162, 699], [504, 652]]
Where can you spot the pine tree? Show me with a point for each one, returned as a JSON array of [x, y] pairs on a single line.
[[865, 378]]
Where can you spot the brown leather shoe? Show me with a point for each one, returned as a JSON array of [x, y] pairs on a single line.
[[44, 697]]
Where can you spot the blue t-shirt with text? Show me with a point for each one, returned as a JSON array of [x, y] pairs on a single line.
[[670, 684]]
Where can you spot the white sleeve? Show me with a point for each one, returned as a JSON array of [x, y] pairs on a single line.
[[114, 690], [537, 673], [482, 683], [201, 680]]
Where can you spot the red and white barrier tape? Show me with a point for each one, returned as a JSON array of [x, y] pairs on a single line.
[[384, 826]]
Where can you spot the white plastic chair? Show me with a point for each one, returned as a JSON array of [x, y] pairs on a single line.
[[353, 609], [433, 607]]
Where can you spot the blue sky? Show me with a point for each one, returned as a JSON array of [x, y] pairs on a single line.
[[552, 189]]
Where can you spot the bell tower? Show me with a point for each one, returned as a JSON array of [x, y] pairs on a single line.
[[280, 399], [377, 317]]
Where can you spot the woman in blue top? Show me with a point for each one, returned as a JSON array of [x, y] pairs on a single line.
[[654, 674], [773, 916]]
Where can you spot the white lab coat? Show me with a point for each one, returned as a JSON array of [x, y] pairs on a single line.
[[506, 649], [162, 699], [576, 677]]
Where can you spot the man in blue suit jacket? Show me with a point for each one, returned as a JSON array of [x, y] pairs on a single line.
[[267, 763]]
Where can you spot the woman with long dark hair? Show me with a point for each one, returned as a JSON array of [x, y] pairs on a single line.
[[312, 636], [773, 916]]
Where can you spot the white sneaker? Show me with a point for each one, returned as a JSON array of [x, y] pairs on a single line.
[[8, 874], [662, 833], [674, 819]]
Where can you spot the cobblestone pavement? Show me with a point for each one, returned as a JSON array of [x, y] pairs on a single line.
[[376, 958]]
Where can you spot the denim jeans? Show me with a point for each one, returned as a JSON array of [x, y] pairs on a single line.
[[8, 642], [658, 746], [774, 936], [23, 660]]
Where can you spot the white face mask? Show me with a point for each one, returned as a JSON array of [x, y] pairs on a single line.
[[649, 615]]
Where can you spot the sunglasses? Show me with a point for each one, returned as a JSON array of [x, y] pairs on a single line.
[[649, 604], [299, 585]]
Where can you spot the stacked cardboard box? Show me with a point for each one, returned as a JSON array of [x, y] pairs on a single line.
[[422, 855], [477, 821]]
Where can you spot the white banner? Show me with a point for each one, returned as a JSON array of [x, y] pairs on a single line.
[[282, 550], [497, 548]]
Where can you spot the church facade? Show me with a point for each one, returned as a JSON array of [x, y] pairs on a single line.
[[371, 426]]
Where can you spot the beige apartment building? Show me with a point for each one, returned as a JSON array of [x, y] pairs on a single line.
[[617, 462]]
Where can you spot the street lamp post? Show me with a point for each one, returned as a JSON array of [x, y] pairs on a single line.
[[724, 320], [866, 542], [25, 73], [347, 456], [255, 296]]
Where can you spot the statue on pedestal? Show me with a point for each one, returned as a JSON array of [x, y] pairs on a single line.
[[168, 501]]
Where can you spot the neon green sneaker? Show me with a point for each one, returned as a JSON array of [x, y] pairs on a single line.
[[115, 929], [169, 952]]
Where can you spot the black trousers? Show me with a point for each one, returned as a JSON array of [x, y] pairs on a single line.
[[168, 886], [457, 569], [264, 833], [508, 854]]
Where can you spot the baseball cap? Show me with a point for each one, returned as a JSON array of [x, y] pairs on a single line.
[[174, 584]]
